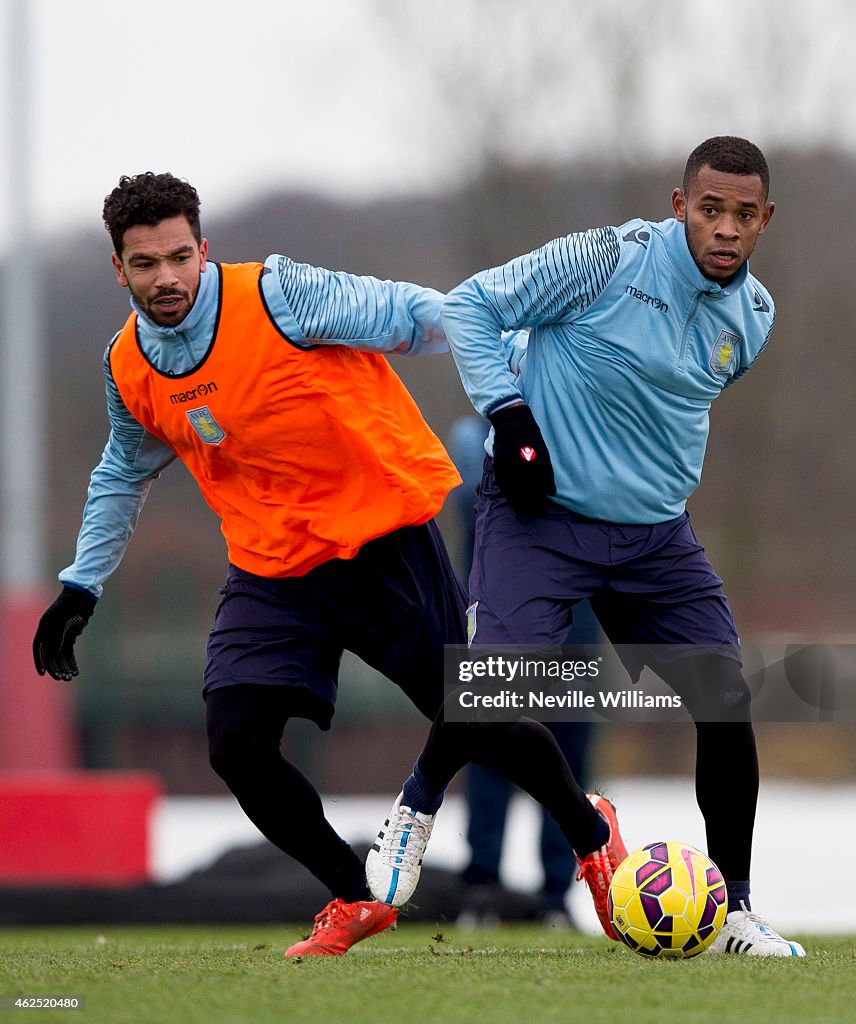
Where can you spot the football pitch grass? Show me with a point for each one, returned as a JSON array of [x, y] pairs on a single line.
[[516, 974]]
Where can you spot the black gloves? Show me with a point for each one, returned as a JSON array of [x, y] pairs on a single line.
[[59, 627], [521, 462]]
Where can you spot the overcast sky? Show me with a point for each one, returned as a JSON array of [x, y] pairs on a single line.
[[323, 94]]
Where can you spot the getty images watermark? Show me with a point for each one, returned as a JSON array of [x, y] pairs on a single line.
[[599, 682]]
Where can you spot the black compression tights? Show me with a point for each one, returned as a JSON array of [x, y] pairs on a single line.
[[525, 752], [245, 725], [727, 793], [715, 693]]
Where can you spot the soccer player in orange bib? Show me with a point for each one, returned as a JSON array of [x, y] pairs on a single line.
[[270, 382]]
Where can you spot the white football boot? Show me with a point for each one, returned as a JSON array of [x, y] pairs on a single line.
[[745, 932], [395, 860]]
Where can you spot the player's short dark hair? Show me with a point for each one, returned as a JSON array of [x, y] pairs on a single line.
[[149, 198], [729, 155]]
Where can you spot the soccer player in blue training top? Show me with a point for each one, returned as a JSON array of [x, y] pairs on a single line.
[[598, 440], [270, 383]]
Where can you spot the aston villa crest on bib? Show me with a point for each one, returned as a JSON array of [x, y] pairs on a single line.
[[724, 353], [205, 425]]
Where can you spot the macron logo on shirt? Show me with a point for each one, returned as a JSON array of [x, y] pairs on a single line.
[[649, 300]]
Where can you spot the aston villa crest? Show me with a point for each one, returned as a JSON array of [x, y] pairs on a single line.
[[205, 425], [724, 353]]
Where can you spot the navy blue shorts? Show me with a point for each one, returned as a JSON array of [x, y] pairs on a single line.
[[395, 604], [651, 586]]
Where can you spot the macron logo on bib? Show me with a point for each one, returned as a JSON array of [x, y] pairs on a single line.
[[528, 453]]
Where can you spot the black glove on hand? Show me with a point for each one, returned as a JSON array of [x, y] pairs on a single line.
[[521, 462], [59, 627]]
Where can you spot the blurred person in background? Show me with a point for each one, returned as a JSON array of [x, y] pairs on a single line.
[[487, 792], [270, 382], [600, 419]]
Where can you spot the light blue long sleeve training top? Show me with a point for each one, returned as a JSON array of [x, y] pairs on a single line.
[[311, 307], [629, 345]]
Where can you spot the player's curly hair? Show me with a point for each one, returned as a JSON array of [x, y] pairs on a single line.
[[728, 154], [149, 198]]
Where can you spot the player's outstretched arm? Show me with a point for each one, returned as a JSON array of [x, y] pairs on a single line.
[[313, 306]]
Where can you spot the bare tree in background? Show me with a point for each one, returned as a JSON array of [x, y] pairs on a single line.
[[508, 100], [518, 85], [521, 90]]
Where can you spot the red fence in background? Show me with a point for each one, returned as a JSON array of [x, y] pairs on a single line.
[[76, 828]]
